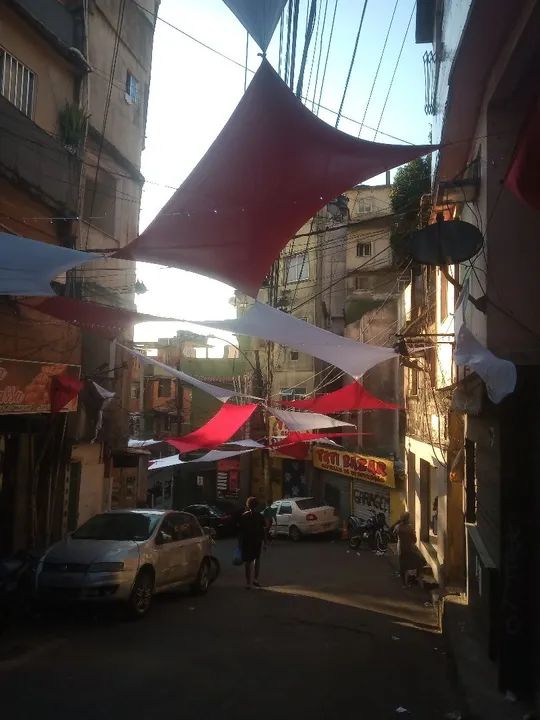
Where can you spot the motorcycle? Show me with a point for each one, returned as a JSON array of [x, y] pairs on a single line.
[[373, 531]]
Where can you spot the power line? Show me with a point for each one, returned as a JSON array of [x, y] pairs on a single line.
[[352, 62], [305, 51], [326, 60], [319, 60], [378, 68], [395, 71]]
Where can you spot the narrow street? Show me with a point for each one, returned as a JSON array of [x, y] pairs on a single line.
[[332, 635]]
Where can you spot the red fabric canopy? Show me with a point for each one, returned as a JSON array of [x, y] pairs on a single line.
[[298, 437], [101, 319], [522, 177], [63, 389], [217, 430], [350, 397], [270, 169]]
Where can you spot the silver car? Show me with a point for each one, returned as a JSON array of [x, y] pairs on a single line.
[[128, 556]]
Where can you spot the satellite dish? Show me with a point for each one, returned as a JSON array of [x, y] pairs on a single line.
[[445, 243]]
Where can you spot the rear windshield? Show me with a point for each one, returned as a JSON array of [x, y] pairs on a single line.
[[117, 526], [307, 504]]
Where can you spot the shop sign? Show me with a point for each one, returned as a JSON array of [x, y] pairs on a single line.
[[354, 465], [25, 386], [228, 477]]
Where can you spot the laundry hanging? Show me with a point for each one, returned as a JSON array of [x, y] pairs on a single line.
[[100, 319], [259, 17], [272, 167], [268, 323], [500, 376], [220, 428], [304, 421], [219, 393], [27, 267], [353, 396]]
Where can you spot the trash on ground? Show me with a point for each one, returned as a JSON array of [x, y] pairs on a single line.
[[395, 637], [401, 709]]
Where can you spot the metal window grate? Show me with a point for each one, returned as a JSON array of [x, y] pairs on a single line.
[[17, 83], [431, 75]]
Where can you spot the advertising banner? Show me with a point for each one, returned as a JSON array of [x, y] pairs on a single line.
[[355, 465], [25, 386]]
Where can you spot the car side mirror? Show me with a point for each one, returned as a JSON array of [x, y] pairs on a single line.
[[162, 538], [210, 532]]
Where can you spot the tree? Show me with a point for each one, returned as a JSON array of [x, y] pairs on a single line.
[[410, 182]]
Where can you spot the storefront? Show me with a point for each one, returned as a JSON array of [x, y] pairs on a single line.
[[357, 484]]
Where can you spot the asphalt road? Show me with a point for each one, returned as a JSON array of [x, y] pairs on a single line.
[[332, 635]]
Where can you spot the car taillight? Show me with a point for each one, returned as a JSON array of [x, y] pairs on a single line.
[[311, 517]]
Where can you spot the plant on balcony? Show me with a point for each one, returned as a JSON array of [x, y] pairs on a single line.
[[411, 182], [72, 123]]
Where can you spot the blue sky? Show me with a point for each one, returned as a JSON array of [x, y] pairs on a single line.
[[194, 91]]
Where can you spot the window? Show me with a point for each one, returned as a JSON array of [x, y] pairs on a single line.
[[132, 88], [307, 504], [413, 381], [292, 393], [17, 83], [164, 388], [294, 355], [361, 283], [365, 205], [99, 206], [297, 268], [363, 249], [444, 294], [135, 391], [285, 509]]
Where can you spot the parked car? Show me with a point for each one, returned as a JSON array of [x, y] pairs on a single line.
[[222, 522], [127, 556], [231, 507], [296, 517]]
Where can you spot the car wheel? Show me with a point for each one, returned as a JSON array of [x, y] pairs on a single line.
[[141, 595], [201, 584], [294, 533]]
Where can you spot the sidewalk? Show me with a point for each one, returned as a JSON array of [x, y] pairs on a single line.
[[476, 674]]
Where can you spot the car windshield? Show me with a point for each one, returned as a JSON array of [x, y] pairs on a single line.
[[117, 526], [307, 504]]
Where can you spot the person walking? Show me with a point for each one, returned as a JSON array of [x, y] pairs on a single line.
[[251, 538], [410, 558]]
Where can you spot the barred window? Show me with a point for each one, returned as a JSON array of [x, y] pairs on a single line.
[[17, 83]]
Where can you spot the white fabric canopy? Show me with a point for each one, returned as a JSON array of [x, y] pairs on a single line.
[[212, 456], [248, 443], [499, 375], [27, 267], [268, 323], [259, 17], [132, 443], [215, 455], [165, 462], [304, 421], [220, 394]]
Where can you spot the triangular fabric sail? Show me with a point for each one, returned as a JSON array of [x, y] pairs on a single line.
[[522, 177], [220, 428], [100, 319], [63, 389], [27, 267], [268, 323], [272, 167], [259, 17], [219, 393], [304, 421], [499, 375], [353, 396]]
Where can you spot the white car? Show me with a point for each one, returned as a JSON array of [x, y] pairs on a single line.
[[296, 517], [127, 556]]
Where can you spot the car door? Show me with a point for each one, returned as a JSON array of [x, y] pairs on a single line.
[[193, 543], [171, 560], [284, 517]]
